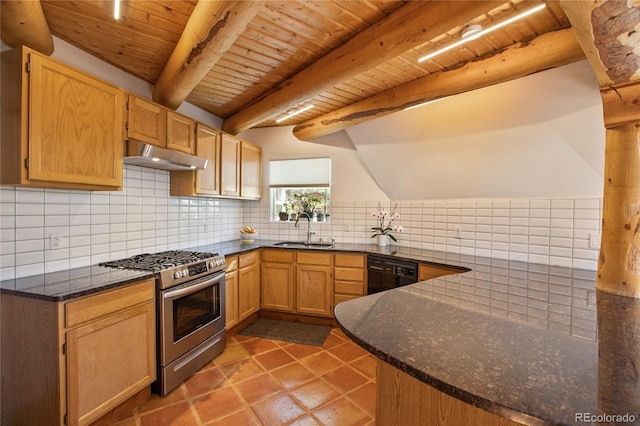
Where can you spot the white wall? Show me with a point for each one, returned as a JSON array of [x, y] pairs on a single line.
[[540, 136], [351, 180]]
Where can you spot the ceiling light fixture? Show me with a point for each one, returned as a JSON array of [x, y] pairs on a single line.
[[301, 110], [477, 33], [116, 9]]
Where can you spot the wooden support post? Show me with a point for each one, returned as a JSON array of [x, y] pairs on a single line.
[[23, 23]]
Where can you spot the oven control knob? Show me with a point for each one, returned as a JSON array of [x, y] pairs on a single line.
[[177, 275], [212, 265], [184, 273]]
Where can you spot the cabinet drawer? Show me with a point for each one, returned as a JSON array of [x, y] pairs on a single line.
[[314, 258], [349, 287], [349, 260], [232, 263], [248, 259], [92, 307], [343, 298], [277, 256], [349, 274]]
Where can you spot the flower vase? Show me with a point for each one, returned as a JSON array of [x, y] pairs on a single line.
[[383, 240]]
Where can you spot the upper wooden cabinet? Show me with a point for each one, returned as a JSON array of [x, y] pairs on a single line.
[[61, 128], [159, 126], [146, 121], [201, 182], [250, 170], [230, 166], [180, 132]]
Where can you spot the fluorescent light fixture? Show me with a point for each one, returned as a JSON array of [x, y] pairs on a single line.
[[483, 32], [301, 110], [116, 9], [425, 103]]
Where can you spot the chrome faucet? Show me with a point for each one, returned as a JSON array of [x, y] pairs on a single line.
[[309, 233]]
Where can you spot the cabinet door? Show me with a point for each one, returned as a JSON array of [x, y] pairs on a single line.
[[146, 121], [208, 146], [181, 133], [250, 171], [314, 290], [231, 299], [277, 286], [230, 166], [248, 291], [108, 361], [75, 126]]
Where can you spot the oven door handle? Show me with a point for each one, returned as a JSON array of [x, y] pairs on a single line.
[[185, 291]]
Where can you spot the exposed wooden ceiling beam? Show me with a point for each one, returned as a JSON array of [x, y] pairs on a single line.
[[546, 51], [23, 23], [211, 30], [409, 26]]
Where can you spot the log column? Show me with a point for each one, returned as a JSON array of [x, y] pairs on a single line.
[[619, 261]]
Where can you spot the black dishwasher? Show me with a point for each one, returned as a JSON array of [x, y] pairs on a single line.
[[385, 273]]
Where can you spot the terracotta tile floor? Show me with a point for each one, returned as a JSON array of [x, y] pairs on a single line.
[[268, 382]]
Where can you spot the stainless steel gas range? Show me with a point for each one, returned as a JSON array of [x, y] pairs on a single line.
[[190, 310]]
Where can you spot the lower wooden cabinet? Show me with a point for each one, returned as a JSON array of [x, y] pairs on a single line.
[[248, 284], [314, 290], [72, 362], [350, 276], [277, 280], [231, 292]]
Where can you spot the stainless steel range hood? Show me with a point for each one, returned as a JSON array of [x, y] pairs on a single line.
[[142, 154]]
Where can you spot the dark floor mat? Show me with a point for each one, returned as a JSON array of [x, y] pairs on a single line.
[[288, 331]]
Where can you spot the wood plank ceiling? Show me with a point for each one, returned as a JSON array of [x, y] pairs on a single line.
[[285, 38]]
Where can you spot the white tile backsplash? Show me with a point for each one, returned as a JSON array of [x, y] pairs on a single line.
[[98, 226]]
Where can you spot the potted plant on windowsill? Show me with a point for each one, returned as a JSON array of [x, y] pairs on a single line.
[[383, 229]]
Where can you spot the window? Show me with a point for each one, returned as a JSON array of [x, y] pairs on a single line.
[[300, 187]]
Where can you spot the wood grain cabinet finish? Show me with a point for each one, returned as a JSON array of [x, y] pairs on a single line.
[[80, 358], [277, 280], [181, 133], [314, 291], [200, 182], [61, 128], [248, 284], [146, 121], [426, 272], [250, 171], [404, 400], [231, 292], [230, 166], [349, 274]]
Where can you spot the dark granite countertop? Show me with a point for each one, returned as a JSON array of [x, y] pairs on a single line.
[[72, 283], [514, 338]]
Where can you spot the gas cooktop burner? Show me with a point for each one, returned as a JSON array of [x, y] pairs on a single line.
[[155, 262]]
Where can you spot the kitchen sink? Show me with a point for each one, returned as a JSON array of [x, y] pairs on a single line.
[[302, 244]]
